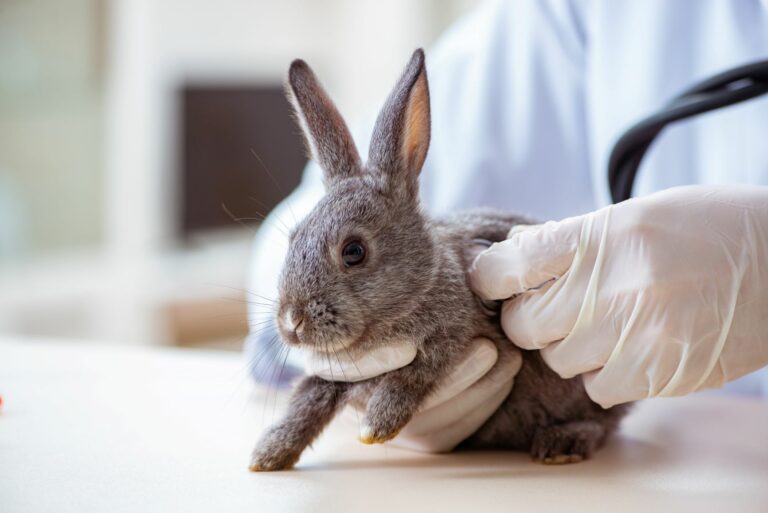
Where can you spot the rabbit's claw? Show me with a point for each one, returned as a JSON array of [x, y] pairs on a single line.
[[369, 435]]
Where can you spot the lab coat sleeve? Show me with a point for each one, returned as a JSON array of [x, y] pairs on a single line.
[[509, 117]]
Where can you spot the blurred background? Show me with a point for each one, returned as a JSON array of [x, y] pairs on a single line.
[[142, 140]]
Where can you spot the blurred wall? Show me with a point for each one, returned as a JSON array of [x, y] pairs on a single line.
[[89, 144], [51, 85]]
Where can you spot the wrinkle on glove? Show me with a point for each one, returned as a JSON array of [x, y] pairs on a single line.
[[656, 296]]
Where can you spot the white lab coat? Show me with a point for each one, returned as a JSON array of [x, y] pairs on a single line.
[[529, 96]]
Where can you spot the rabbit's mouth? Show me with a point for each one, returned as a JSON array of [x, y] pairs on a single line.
[[305, 335], [331, 345]]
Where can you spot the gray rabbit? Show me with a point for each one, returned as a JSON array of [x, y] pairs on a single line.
[[368, 266]]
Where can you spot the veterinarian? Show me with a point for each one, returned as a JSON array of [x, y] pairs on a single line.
[[661, 295]]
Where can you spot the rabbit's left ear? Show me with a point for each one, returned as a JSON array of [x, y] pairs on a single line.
[[401, 135], [327, 136]]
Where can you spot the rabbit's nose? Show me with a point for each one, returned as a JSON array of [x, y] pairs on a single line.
[[293, 320]]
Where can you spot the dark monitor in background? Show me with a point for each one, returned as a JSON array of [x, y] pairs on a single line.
[[240, 150]]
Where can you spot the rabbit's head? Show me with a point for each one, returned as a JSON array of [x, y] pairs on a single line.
[[363, 259]]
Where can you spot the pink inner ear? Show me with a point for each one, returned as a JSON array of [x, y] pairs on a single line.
[[416, 127]]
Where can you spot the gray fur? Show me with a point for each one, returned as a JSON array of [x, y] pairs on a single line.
[[412, 286], [401, 169], [326, 133]]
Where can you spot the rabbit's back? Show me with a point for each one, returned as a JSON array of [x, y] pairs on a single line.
[[540, 398], [481, 223]]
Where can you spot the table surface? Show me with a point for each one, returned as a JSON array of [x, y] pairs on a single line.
[[88, 428]]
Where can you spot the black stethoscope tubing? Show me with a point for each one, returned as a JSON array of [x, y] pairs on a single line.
[[733, 86]]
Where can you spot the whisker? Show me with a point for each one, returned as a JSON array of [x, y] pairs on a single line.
[[259, 322], [262, 322], [265, 298], [359, 373], [357, 415], [245, 291], [272, 362], [328, 357], [247, 302], [262, 330], [255, 312], [282, 221], [341, 367], [266, 352], [265, 315], [279, 189], [239, 220], [228, 316], [261, 315], [264, 216], [280, 378]]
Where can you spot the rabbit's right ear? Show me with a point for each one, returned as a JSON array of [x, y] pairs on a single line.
[[401, 135], [328, 139]]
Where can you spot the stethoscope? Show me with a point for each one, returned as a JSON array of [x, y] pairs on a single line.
[[733, 86]]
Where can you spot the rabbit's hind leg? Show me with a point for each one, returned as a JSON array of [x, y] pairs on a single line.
[[571, 442]]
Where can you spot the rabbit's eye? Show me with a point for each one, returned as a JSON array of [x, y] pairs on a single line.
[[353, 253]]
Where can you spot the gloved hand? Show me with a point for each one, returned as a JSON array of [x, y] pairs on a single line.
[[656, 296], [461, 404]]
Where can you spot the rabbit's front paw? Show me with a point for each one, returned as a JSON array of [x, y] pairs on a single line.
[[268, 457], [377, 429], [370, 435]]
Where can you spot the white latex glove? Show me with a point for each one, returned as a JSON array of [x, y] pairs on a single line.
[[656, 296], [461, 404]]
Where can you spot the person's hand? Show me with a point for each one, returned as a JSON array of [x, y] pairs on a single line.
[[463, 401], [656, 296]]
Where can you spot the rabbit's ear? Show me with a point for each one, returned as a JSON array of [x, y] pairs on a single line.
[[401, 135], [328, 139]]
